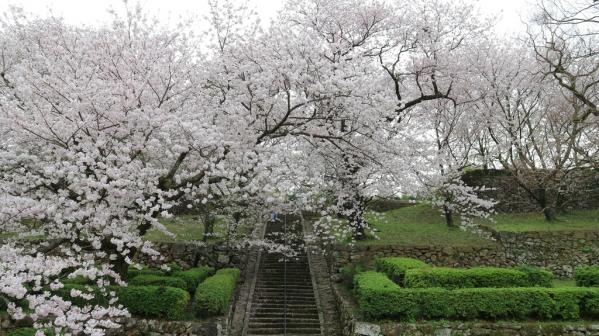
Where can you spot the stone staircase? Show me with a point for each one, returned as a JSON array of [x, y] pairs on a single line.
[[283, 300]]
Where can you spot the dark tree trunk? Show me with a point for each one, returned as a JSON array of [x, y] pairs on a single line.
[[449, 217], [209, 220], [548, 210]]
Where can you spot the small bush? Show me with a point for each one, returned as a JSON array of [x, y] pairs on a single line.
[[479, 277], [78, 280], [194, 276], [587, 276], [380, 298], [348, 272], [132, 271], [212, 296], [146, 301], [158, 280], [537, 276], [28, 332], [395, 267]]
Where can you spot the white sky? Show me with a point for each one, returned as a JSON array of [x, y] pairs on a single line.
[[91, 11]]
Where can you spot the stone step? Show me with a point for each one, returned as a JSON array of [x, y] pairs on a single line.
[[284, 331], [283, 301]]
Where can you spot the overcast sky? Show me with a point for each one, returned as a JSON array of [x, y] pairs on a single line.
[[91, 11]]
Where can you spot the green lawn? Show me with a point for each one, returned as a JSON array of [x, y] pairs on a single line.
[[576, 220], [185, 227], [564, 283], [418, 225]]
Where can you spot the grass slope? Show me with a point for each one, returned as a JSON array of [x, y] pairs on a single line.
[[185, 227], [418, 225], [520, 222]]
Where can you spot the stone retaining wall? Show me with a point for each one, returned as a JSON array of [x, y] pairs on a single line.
[[491, 329], [559, 252], [141, 327], [190, 255], [579, 189]]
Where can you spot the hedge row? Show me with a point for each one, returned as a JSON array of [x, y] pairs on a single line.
[[396, 267], [28, 332], [587, 276], [194, 276], [153, 276], [478, 277], [147, 301], [212, 296], [158, 280], [379, 297]]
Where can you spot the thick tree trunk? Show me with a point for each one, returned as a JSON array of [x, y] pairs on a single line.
[[209, 221], [449, 217], [548, 209]]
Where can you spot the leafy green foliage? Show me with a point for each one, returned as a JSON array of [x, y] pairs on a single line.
[[587, 276], [379, 298], [537, 276], [396, 267], [152, 301], [133, 271], [28, 332], [194, 276], [348, 272], [158, 280], [212, 296], [146, 301], [478, 277]]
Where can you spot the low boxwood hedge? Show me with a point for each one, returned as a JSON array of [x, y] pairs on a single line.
[[27, 332], [153, 301], [587, 276], [395, 267], [212, 296], [537, 276], [158, 280], [194, 276], [133, 271], [146, 301], [478, 277], [379, 298]]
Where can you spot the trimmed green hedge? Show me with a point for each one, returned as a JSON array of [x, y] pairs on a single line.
[[537, 276], [146, 301], [158, 280], [132, 271], [152, 301], [478, 277], [379, 298], [194, 276], [396, 267], [587, 276], [212, 296], [28, 332]]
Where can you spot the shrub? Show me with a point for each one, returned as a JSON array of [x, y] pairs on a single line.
[[348, 272], [158, 280], [152, 301], [537, 276], [479, 277], [379, 298], [395, 267], [28, 332], [78, 280], [147, 301], [194, 276], [587, 276], [132, 271], [212, 296]]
